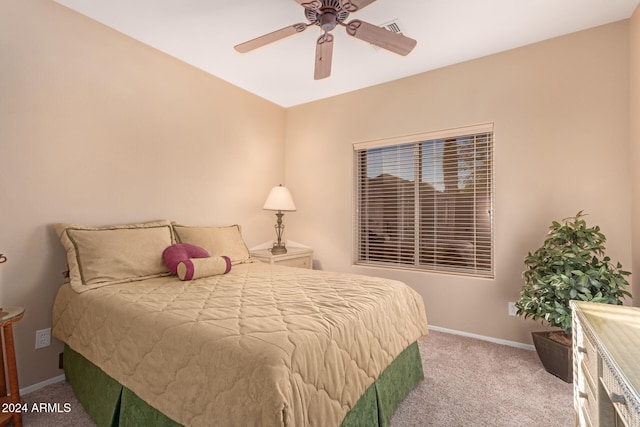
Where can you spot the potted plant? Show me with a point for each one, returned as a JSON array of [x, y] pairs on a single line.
[[570, 265]]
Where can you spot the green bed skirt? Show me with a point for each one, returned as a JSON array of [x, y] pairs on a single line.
[[110, 404]]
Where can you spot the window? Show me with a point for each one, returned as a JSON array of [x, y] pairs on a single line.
[[426, 201]]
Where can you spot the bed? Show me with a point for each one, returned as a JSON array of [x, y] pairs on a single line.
[[258, 344]]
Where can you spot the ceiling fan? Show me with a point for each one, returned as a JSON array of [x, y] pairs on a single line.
[[327, 14]]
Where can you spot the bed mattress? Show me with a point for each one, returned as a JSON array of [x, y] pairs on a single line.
[[263, 345]]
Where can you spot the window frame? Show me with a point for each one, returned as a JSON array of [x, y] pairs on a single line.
[[418, 264]]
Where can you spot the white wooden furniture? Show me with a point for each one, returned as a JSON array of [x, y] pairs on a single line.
[[295, 257], [606, 365]]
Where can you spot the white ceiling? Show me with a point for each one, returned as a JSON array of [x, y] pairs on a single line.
[[203, 33]]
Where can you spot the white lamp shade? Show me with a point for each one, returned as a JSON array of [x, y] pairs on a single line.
[[279, 199]]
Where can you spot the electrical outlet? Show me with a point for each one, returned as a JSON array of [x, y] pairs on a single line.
[[511, 308], [43, 338]]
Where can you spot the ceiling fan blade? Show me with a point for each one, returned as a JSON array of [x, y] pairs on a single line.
[[270, 38], [324, 55], [353, 5], [380, 37]]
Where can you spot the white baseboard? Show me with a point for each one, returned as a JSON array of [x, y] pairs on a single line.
[[484, 338], [39, 385]]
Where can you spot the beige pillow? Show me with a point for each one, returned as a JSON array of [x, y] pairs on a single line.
[[218, 241], [196, 268], [101, 256]]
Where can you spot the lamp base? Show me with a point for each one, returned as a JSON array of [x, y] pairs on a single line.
[[278, 250]]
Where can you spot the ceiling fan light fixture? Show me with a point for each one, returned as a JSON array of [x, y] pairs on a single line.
[[328, 21]]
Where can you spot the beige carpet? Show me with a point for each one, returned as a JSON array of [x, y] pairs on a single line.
[[468, 383], [473, 383]]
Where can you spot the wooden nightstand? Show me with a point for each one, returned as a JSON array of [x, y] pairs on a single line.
[[12, 401], [295, 257]]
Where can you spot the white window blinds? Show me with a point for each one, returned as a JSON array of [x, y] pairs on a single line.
[[425, 201]]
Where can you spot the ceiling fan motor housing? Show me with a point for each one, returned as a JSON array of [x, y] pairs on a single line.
[[328, 21], [327, 15]]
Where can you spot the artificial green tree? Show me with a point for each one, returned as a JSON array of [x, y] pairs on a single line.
[[570, 265]]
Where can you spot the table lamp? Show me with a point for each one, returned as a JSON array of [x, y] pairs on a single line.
[[279, 200]]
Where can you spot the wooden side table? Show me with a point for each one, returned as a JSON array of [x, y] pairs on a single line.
[[11, 401], [295, 257]]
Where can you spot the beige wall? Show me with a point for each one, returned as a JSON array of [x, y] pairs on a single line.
[[634, 158], [561, 114], [97, 129]]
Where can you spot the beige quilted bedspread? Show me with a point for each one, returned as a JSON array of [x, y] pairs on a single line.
[[261, 346]]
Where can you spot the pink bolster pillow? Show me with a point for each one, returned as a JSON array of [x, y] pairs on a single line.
[[196, 268], [178, 252]]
